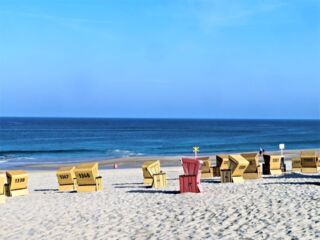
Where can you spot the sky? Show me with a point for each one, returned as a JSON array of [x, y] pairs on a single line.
[[160, 59]]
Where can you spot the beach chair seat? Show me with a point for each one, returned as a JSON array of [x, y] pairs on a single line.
[[67, 179], [88, 179], [206, 169], [272, 164], [226, 176], [309, 162], [222, 162], [17, 183], [159, 180], [253, 171], [190, 181], [296, 164], [2, 188], [238, 166]]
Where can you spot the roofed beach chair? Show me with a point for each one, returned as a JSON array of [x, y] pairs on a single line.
[[272, 164], [206, 169], [222, 162], [2, 189], [309, 162], [296, 164], [67, 179], [17, 183], [253, 171], [152, 175], [190, 181], [88, 179], [238, 166]]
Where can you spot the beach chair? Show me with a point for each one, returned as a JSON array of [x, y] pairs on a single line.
[[222, 163], [206, 169], [2, 189], [272, 164], [253, 171], [88, 179], [296, 164], [190, 181], [17, 183], [309, 162], [152, 175], [67, 179], [238, 166]]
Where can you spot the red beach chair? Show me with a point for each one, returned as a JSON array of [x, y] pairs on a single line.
[[190, 181]]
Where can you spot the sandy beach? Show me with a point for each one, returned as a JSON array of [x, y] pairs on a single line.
[[284, 207]]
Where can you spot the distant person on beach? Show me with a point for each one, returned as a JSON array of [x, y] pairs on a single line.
[[261, 151]]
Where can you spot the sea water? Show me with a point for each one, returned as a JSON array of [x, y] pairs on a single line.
[[54, 140]]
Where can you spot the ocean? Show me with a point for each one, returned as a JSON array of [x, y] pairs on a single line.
[[57, 140]]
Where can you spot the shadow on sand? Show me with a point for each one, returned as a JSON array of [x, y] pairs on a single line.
[[293, 175], [154, 191], [293, 183], [53, 190]]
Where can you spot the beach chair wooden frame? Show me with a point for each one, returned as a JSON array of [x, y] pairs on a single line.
[[272, 164], [192, 175], [253, 171], [2, 188], [67, 179], [309, 162], [206, 169], [17, 183], [238, 166], [88, 179], [296, 164]]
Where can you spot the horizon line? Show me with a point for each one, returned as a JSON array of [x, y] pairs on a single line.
[[160, 118]]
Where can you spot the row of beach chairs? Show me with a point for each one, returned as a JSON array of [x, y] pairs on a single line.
[[234, 168]]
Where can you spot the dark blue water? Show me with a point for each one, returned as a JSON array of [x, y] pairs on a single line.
[[39, 140]]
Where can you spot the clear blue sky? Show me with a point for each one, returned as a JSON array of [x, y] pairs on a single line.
[[166, 58]]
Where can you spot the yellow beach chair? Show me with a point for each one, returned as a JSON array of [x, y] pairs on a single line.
[[88, 179], [296, 164], [222, 162], [152, 175], [17, 183], [309, 162], [2, 189], [272, 164], [206, 170], [67, 179], [253, 171], [238, 166]]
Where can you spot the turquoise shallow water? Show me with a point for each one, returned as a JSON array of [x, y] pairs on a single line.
[[41, 140]]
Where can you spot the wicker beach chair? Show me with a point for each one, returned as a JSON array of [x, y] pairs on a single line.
[[222, 162], [152, 175], [190, 181], [238, 166], [67, 179], [206, 169], [88, 179], [272, 164], [253, 171], [2, 189], [309, 162], [17, 183]]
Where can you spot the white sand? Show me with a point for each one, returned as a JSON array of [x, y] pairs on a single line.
[[272, 208]]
